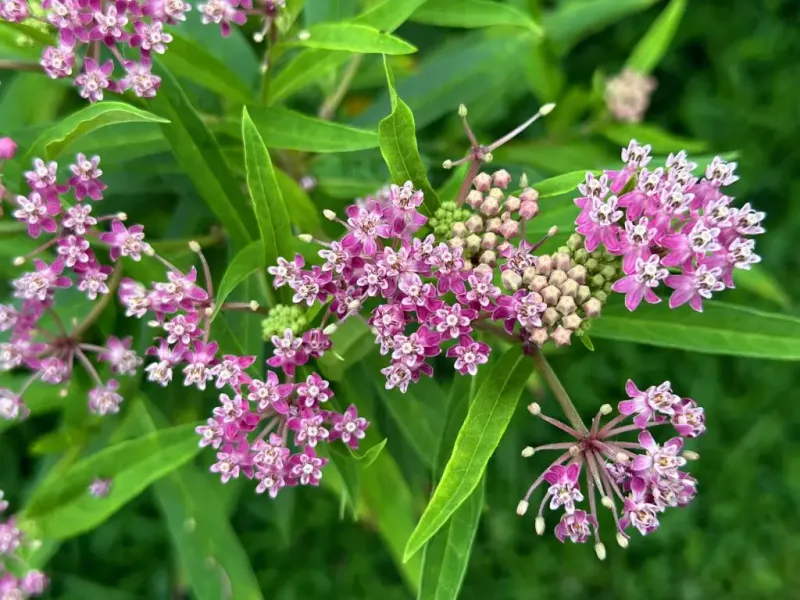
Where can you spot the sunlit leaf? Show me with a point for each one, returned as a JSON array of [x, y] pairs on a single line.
[[560, 184], [655, 43], [719, 329], [486, 421], [352, 37], [662, 141], [245, 263], [398, 142], [472, 14]]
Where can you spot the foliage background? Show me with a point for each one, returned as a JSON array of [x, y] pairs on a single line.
[[729, 80]]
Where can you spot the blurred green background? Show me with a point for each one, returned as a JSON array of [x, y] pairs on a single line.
[[729, 83]]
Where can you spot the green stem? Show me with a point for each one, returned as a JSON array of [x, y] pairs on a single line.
[[332, 102], [559, 392], [100, 306]]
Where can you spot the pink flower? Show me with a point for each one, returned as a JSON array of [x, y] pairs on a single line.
[[453, 321], [161, 372], [564, 490], [38, 213], [86, 178], [198, 369], [119, 355], [577, 526], [223, 13], [688, 419], [94, 79], [126, 241], [694, 286], [231, 370], [314, 392], [648, 405], [600, 226], [306, 468], [663, 461], [366, 225], [639, 286], [104, 400], [637, 511], [469, 355], [348, 427], [38, 284]]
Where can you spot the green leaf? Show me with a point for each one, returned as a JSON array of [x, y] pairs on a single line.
[[95, 116], [199, 154], [652, 47], [487, 420], [62, 507], [760, 282], [271, 214], [349, 472], [446, 555], [351, 342], [473, 14], [561, 184], [663, 142], [719, 329], [587, 341], [371, 455], [390, 14], [353, 37], [189, 59], [302, 211], [398, 144], [289, 130], [249, 260], [573, 21], [15, 106], [212, 558]]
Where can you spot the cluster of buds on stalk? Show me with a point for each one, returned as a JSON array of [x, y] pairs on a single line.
[[636, 481], [667, 218], [17, 580], [124, 28], [627, 95]]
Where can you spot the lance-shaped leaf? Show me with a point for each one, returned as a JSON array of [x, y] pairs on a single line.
[[662, 141], [62, 507], [446, 555], [652, 47], [486, 421], [199, 154], [398, 142], [271, 213], [719, 329], [473, 14], [561, 184], [289, 130], [352, 37], [52, 141], [245, 263]]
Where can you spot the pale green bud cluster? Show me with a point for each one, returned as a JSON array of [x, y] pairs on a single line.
[[602, 268], [281, 318]]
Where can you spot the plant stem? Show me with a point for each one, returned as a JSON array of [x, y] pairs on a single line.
[[19, 65], [100, 306], [332, 102], [559, 392]]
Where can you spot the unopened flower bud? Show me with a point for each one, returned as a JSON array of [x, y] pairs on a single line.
[[575, 241], [462, 111], [482, 182], [572, 321], [561, 336], [448, 164], [304, 35], [19, 261], [529, 195], [330, 329], [539, 336], [528, 274], [456, 242], [354, 305], [539, 525], [460, 230], [580, 256], [511, 281], [557, 277], [305, 237], [550, 295], [194, 246], [522, 507], [497, 194], [488, 257], [503, 246], [577, 273], [690, 455], [483, 269], [608, 272], [523, 180], [591, 264], [534, 409], [566, 305], [550, 316], [489, 241], [584, 293], [501, 178], [488, 157], [538, 283], [528, 210], [122, 216], [329, 214], [574, 450], [569, 288], [472, 244], [607, 502], [623, 458], [493, 224], [562, 261], [512, 204], [490, 206], [592, 308], [474, 199], [622, 540], [509, 229], [597, 281], [63, 393], [544, 264], [600, 550], [8, 148], [254, 305], [606, 409], [527, 452], [547, 109], [601, 296]]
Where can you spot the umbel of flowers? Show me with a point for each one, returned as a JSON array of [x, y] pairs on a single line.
[[17, 580], [123, 29]]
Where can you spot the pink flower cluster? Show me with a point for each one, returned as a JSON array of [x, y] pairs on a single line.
[[74, 237], [428, 300], [668, 218], [643, 476], [33, 583], [122, 27]]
